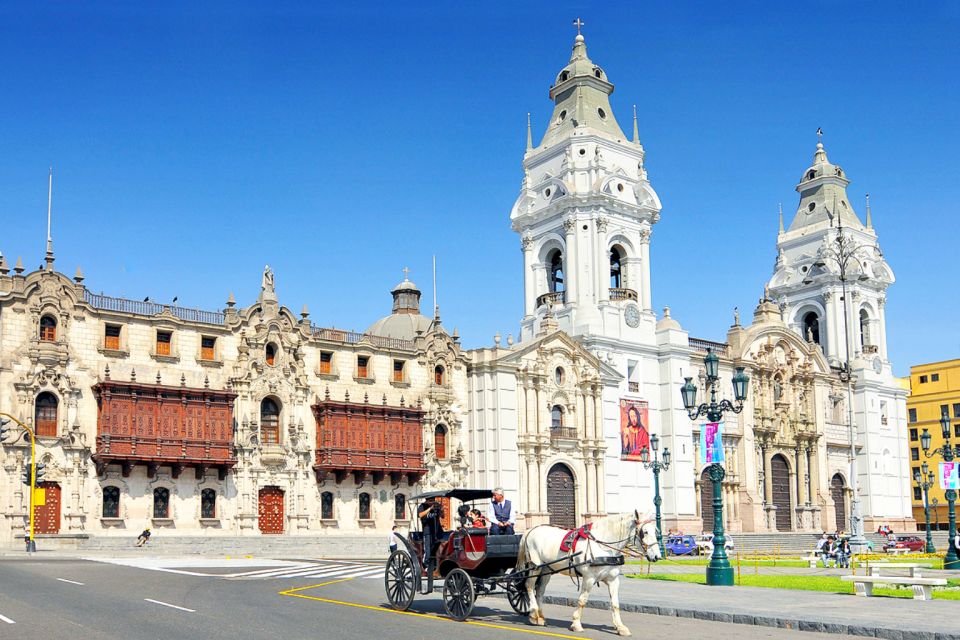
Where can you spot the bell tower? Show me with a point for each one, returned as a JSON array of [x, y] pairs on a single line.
[[585, 213]]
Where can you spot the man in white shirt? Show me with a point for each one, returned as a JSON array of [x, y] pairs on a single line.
[[392, 539], [500, 514]]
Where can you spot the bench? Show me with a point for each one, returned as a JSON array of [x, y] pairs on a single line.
[[922, 587], [812, 557], [898, 551], [915, 568]]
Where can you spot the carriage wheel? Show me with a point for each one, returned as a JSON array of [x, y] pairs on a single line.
[[517, 595], [458, 594], [400, 580]]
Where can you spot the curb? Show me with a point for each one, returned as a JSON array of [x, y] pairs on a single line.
[[762, 621]]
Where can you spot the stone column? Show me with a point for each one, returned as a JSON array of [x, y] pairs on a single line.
[[602, 263], [571, 267], [529, 283], [801, 476], [644, 292]]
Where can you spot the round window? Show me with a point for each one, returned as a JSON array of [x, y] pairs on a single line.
[[811, 207], [620, 187], [547, 193], [602, 114], [583, 151], [562, 116]]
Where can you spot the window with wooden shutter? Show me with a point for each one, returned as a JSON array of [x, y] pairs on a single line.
[[269, 421], [271, 354], [438, 375], [111, 337], [164, 338], [207, 347], [326, 362], [440, 441], [45, 416], [48, 329], [398, 370], [362, 370]]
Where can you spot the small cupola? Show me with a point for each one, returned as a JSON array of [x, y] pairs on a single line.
[[406, 297]]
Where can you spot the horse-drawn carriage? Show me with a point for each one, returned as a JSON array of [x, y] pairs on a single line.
[[471, 562]]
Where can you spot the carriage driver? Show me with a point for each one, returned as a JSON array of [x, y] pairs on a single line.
[[430, 511], [500, 514]]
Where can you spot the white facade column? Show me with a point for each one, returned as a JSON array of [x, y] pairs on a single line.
[[571, 268], [644, 286], [602, 262], [529, 283]]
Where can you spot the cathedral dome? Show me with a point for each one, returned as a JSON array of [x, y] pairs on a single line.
[[406, 320]]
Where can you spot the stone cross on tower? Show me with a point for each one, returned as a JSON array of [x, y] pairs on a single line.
[[578, 23], [406, 273]]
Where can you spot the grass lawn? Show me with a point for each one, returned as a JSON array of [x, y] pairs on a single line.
[[696, 561], [830, 584]]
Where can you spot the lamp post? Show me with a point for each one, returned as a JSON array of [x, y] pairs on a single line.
[[924, 479], [719, 571], [935, 503], [846, 254], [5, 418], [948, 452], [657, 465]]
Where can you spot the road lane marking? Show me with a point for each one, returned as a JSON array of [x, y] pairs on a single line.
[[172, 606], [70, 581], [7, 620], [295, 593]]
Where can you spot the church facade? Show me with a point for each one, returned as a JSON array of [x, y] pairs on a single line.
[[252, 420]]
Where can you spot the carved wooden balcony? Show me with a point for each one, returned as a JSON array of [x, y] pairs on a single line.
[[366, 439], [617, 294], [157, 425], [552, 298]]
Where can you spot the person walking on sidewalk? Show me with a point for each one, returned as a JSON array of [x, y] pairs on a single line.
[[144, 537], [392, 539]]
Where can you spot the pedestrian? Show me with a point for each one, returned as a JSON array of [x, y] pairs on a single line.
[[392, 539], [144, 537], [830, 552], [843, 553], [821, 543]]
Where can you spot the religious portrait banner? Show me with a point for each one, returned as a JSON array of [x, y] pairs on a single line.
[[711, 443], [634, 428], [950, 475]]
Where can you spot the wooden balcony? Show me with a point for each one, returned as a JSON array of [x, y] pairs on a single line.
[[552, 298], [372, 440], [157, 425], [622, 294]]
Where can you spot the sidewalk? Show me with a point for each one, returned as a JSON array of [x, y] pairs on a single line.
[[891, 618]]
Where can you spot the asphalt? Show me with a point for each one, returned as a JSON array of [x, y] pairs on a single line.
[[76, 599]]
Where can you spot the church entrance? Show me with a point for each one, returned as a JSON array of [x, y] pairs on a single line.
[[270, 510], [780, 476], [46, 516], [706, 500], [839, 503], [561, 497]]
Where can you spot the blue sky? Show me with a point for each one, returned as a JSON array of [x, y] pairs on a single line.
[[193, 144]]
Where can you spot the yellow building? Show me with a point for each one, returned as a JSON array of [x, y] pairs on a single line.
[[934, 388]]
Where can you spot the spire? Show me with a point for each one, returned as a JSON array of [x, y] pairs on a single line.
[[529, 134], [869, 217], [780, 206], [49, 257], [636, 131]]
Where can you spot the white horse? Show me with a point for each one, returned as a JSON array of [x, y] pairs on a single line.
[[540, 547]]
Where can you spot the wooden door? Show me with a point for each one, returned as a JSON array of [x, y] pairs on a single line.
[[780, 473], [706, 500], [839, 504], [46, 517], [270, 510], [561, 497]]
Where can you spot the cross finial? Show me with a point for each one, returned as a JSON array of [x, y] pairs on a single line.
[[578, 23], [819, 135], [406, 271]]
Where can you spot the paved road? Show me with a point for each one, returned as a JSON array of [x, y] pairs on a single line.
[[196, 598]]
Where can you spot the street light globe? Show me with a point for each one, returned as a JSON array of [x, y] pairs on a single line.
[[666, 457], [645, 455], [655, 442], [945, 424], [925, 440], [916, 475], [688, 391], [924, 468], [740, 380], [712, 363]]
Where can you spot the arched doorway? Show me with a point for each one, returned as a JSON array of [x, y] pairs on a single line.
[[706, 500], [780, 477], [270, 510], [561, 497], [838, 494], [46, 516]]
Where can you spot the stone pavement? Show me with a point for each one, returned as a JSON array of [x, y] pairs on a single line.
[[891, 618]]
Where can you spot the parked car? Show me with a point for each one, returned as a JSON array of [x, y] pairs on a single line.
[[705, 544], [913, 543], [681, 545]]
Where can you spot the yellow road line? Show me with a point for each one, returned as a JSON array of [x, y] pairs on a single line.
[[294, 593]]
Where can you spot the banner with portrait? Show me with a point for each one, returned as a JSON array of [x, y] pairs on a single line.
[[950, 475], [634, 428], [711, 443]]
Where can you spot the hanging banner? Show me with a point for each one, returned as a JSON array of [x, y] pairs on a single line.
[[634, 428], [711, 443], [950, 475]]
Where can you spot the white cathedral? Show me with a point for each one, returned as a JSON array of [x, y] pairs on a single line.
[[253, 420]]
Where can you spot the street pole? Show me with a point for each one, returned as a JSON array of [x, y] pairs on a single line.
[[949, 452], [657, 467], [31, 544], [924, 481]]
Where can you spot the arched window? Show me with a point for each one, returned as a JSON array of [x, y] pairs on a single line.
[[271, 354], [556, 417], [269, 421], [111, 502], [556, 271], [616, 268], [864, 328], [400, 507], [365, 506], [438, 372], [48, 329], [161, 503], [326, 505], [208, 504], [811, 327], [440, 441], [559, 375], [45, 415]]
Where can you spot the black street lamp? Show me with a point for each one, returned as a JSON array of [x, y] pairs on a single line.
[[924, 479], [657, 465], [719, 571], [949, 452], [936, 513]]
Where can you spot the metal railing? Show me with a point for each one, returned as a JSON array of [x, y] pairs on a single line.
[[123, 305], [353, 337], [622, 294], [552, 298], [719, 348], [563, 433]]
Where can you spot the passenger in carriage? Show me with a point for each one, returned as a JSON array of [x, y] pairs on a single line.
[[477, 519], [501, 514]]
